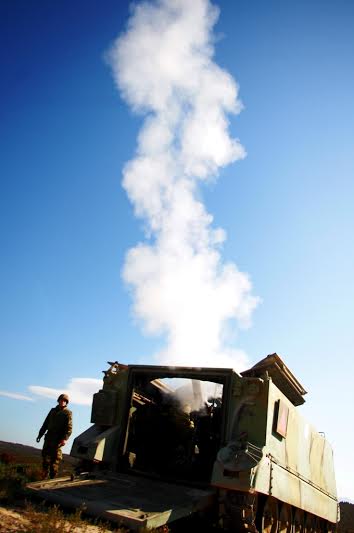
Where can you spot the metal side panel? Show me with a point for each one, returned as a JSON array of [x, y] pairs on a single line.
[[296, 491], [128, 500]]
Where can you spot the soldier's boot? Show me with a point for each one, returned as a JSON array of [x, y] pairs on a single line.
[[45, 468], [54, 467]]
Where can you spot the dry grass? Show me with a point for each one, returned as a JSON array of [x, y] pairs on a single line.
[[17, 515], [13, 477], [31, 518], [54, 519]]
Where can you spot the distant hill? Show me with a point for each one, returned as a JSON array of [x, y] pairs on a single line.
[[28, 454], [346, 524], [13, 448]]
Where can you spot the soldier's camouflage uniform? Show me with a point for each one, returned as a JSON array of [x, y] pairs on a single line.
[[57, 427]]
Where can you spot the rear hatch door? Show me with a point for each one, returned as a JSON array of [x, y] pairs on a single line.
[[129, 500]]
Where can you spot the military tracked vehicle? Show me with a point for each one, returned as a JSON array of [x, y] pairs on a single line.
[[171, 442]]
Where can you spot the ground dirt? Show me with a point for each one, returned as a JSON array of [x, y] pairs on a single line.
[[13, 520], [23, 517]]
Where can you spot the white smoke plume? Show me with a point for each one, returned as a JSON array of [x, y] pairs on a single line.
[[163, 66]]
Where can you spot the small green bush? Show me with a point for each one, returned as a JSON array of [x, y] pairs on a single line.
[[13, 478], [53, 519]]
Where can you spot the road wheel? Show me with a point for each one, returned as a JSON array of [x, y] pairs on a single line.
[[285, 519], [310, 524], [320, 525], [298, 521], [329, 528], [270, 517]]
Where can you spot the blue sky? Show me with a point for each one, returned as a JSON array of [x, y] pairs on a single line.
[[67, 223]]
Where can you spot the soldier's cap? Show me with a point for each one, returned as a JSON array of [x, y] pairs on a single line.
[[63, 397]]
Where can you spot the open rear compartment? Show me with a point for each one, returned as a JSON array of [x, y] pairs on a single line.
[[175, 425]]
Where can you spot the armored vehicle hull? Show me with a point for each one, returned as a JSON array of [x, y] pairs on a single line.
[[172, 442]]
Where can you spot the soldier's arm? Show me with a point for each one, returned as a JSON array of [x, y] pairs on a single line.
[[44, 426], [69, 425]]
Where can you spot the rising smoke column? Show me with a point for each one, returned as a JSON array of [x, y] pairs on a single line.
[[163, 67]]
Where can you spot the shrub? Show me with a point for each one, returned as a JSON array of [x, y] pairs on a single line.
[[53, 519], [13, 478], [6, 458]]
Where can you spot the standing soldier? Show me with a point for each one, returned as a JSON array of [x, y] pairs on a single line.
[[57, 428]]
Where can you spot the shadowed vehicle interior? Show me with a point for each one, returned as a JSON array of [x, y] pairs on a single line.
[[174, 427]]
